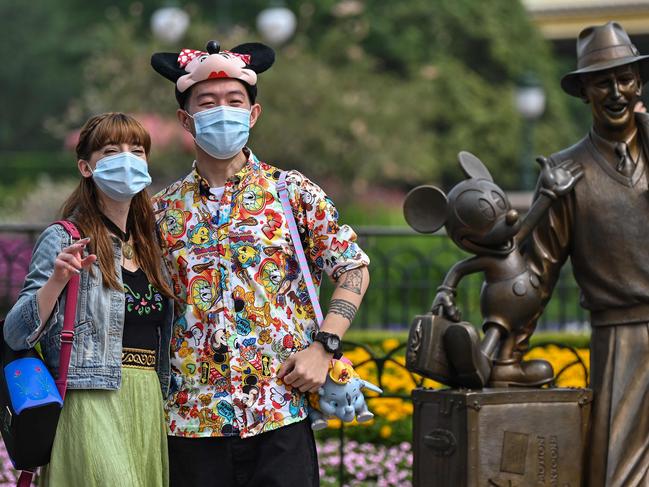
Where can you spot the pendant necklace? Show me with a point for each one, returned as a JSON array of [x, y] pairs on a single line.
[[127, 248]]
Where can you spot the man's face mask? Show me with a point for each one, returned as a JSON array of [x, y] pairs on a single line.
[[121, 176], [222, 131]]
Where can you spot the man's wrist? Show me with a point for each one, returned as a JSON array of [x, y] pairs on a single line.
[[320, 347]]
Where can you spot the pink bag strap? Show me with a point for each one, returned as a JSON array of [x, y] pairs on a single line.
[[67, 337], [67, 333], [282, 191], [25, 478]]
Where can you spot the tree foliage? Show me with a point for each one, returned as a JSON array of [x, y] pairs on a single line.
[[367, 92]]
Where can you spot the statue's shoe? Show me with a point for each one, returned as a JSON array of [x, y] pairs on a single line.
[[462, 345], [514, 373]]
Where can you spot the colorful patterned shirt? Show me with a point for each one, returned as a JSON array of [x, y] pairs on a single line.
[[243, 306]]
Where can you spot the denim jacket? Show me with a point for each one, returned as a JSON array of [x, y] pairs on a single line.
[[96, 360]]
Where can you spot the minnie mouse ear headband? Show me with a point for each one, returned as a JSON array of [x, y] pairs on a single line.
[[189, 67]]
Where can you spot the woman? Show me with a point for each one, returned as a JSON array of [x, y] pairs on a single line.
[[112, 428]]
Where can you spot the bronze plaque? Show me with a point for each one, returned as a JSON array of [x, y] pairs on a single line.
[[514, 453]]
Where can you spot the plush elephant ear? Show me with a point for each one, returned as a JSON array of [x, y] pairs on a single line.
[[166, 64], [473, 167], [262, 57], [425, 209]]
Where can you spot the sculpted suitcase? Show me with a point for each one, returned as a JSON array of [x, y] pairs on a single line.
[[500, 437], [425, 354]]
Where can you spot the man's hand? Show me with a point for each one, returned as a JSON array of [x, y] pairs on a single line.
[[307, 369]]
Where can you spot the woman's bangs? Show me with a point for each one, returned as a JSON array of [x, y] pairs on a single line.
[[119, 129]]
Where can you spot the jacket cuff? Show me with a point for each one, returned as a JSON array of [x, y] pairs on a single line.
[[33, 318]]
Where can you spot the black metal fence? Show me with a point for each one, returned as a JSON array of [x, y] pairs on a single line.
[[406, 269]]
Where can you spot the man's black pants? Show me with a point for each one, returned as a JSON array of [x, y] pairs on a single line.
[[285, 457]]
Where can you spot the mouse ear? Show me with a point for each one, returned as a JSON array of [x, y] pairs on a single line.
[[262, 57], [425, 209], [473, 167]]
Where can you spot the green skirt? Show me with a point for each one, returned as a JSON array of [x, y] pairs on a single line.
[[109, 438]]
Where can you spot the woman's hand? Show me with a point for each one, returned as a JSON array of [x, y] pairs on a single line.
[[70, 261]]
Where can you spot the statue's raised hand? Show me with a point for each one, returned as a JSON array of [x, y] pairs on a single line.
[[559, 179], [444, 304]]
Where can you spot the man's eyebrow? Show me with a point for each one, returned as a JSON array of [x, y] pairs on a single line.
[[206, 94]]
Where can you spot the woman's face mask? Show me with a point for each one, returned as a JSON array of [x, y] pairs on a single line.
[[121, 176], [222, 131]]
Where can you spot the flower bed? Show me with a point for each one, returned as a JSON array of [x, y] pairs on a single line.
[[366, 464]]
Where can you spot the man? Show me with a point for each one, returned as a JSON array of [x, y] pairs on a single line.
[[602, 226], [245, 347]]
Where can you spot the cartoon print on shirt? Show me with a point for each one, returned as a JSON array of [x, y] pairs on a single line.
[[174, 222], [200, 235], [254, 199], [244, 307]]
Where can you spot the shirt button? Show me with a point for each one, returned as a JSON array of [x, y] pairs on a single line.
[[238, 305]]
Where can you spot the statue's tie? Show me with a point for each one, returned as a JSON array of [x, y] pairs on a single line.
[[625, 165]]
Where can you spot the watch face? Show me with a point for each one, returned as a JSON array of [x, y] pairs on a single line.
[[332, 343]]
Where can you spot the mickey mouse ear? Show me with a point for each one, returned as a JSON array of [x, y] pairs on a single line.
[[473, 167], [166, 64], [425, 209], [262, 57]]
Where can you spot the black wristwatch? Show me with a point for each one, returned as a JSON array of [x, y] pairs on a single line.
[[331, 343]]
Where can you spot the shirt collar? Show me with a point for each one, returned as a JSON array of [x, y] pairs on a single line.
[[607, 147], [251, 165]]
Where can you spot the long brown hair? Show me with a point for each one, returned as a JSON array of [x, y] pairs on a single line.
[[83, 205]]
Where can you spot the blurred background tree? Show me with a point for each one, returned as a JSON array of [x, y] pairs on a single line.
[[369, 98]]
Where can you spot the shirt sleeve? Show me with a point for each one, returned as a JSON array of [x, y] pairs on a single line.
[[329, 246]]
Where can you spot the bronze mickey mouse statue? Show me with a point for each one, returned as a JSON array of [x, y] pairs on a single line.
[[479, 219]]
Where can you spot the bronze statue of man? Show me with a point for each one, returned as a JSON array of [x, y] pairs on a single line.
[[603, 226]]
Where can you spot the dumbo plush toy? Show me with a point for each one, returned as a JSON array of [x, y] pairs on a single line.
[[340, 396]]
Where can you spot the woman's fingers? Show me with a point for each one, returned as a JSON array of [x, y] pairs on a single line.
[[70, 261], [88, 260], [77, 247]]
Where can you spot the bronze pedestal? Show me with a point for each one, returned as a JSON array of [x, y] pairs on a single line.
[[500, 437]]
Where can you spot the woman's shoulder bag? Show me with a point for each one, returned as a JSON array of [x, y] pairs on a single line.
[[30, 398]]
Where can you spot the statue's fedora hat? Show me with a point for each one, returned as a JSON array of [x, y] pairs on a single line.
[[603, 47]]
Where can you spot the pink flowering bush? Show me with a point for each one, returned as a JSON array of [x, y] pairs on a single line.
[[8, 476], [15, 254], [366, 464]]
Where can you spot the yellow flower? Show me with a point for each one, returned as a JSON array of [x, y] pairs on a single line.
[[390, 344], [385, 431]]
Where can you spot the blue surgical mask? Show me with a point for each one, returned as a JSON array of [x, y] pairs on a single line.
[[222, 131], [121, 176]]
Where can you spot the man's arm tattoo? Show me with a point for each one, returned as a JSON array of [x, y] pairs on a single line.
[[352, 281], [343, 308]]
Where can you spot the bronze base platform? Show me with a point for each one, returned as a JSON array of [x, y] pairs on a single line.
[[505, 437]]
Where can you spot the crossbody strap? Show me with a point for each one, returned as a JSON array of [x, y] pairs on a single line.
[[282, 191], [67, 337], [67, 333]]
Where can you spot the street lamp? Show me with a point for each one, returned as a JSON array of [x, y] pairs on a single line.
[[530, 103], [169, 24], [276, 24]]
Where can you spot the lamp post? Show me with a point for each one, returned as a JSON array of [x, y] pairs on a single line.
[[169, 24], [276, 24], [530, 104]]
